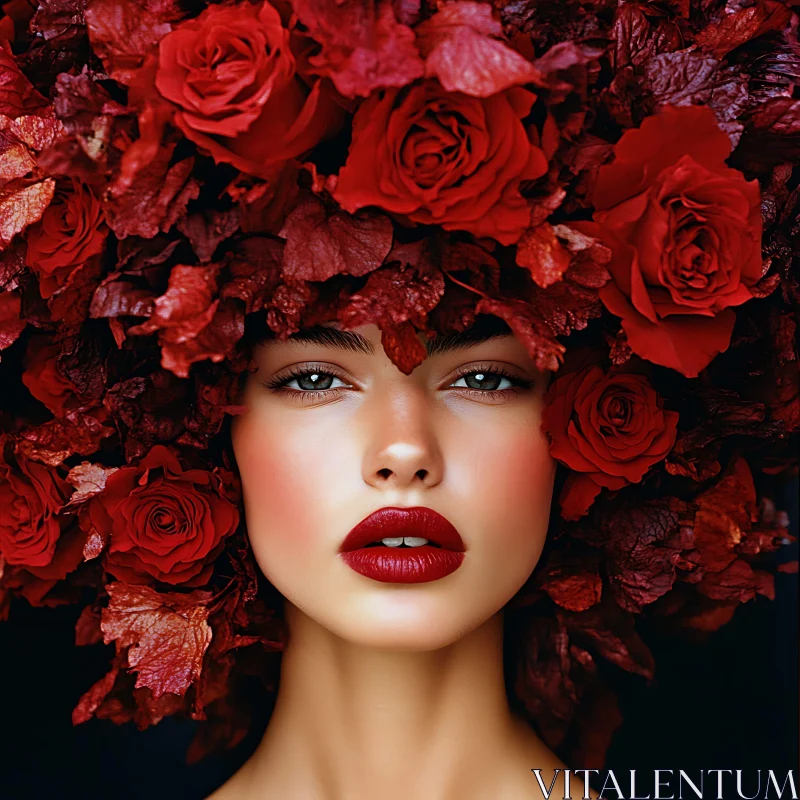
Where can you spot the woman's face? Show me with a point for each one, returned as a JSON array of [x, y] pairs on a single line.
[[333, 432]]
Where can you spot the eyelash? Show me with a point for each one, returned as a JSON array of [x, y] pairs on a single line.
[[280, 381]]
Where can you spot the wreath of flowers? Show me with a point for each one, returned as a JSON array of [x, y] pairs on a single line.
[[177, 176]]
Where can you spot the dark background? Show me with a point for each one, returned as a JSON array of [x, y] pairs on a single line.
[[729, 703]]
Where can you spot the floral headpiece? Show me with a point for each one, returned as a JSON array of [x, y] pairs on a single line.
[[617, 181]]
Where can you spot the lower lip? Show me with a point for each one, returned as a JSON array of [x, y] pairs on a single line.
[[403, 564]]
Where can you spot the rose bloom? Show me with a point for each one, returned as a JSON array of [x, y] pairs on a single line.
[[42, 378], [163, 523], [444, 158], [231, 76], [71, 231], [30, 498], [610, 428], [35, 583], [685, 231]]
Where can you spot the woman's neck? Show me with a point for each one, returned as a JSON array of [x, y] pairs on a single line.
[[356, 723]]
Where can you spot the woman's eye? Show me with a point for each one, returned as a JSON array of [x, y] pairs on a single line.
[[488, 381], [315, 381]]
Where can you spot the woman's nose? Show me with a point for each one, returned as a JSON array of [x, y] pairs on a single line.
[[403, 450]]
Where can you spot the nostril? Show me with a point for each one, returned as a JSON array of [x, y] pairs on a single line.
[[385, 472]]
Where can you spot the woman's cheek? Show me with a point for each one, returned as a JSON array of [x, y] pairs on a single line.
[[512, 480], [292, 475]]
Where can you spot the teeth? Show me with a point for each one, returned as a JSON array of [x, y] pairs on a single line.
[[410, 541]]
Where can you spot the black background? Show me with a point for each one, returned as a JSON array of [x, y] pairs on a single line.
[[729, 703]]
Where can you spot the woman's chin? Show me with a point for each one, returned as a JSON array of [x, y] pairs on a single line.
[[392, 623]]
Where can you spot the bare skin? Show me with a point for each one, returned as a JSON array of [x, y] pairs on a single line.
[[394, 691], [358, 725]]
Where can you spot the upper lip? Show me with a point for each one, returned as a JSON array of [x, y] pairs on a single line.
[[394, 522]]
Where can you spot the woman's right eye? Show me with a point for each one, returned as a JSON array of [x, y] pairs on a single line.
[[312, 381]]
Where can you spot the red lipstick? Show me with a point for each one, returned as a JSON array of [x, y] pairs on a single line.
[[364, 552]]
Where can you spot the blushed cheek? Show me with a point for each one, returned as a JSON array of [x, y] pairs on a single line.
[[276, 477], [518, 490]]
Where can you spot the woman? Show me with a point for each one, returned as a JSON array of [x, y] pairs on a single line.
[[382, 193], [392, 681]]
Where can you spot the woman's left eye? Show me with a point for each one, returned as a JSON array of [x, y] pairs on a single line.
[[487, 381], [315, 381]]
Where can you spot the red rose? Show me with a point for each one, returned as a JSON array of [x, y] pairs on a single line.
[[43, 379], [162, 523], [30, 498], [43, 586], [610, 428], [685, 231], [444, 158], [71, 231], [230, 75]]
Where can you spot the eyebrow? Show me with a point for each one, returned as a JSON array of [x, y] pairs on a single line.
[[354, 342]]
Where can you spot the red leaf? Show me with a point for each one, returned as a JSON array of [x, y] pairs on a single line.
[[22, 205], [612, 632], [94, 546], [725, 514], [215, 342], [403, 347], [122, 33], [529, 327], [119, 298], [11, 326], [192, 324], [462, 48], [17, 95], [167, 634], [87, 628], [743, 25], [91, 700], [572, 579], [364, 47], [540, 252], [638, 37], [643, 545], [690, 77], [565, 306], [207, 229], [319, 246], [187, 306], [738, 581], [405, 290], [254, 264], [156, 198], [779, 115], [51, 443], [287, 305], [88, 479]]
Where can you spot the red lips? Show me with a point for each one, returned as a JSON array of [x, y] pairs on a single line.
[[394, 522], [443, 554]]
